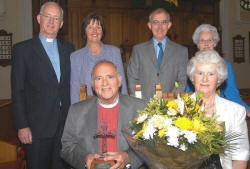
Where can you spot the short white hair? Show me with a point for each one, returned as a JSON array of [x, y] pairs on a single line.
[[158, 11], [101, 62], [51, 3], [203, 28], [208, 56]]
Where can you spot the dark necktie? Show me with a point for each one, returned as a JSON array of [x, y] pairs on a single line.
[[160, 55]]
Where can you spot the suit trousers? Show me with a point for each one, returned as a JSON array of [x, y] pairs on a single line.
[[44, 153]]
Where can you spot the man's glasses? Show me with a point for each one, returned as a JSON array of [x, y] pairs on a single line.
[[208, 41], [163, 22], [55, 18]]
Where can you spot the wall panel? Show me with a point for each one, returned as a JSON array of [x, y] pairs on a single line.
[[126, 26]]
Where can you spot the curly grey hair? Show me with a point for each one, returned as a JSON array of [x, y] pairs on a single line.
[[208, 56], [205, 27]]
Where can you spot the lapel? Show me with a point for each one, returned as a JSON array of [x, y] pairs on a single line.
[[168, 52], [219, 106], [93, 123], [122, 122], [61, 51], [41, 53], [151, 53]]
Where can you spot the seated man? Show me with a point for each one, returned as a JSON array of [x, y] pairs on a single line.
[[79, 144]]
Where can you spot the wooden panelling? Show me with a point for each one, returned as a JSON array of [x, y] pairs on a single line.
[[75, 31], [128, 26], [6, 118], [122, 26], [8, 152]]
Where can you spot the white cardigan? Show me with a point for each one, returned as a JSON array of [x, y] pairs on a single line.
[[234, 116]]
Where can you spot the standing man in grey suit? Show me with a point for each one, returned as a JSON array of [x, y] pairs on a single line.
[[158, 60], [79, 146], [40, 82]]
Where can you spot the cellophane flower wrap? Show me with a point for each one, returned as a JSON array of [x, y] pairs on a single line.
[[175, 134]]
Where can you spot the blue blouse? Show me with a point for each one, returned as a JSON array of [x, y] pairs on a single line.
[[228, 89]]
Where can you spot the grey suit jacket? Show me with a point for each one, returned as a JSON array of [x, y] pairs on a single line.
[[143, 68], [81, 124]]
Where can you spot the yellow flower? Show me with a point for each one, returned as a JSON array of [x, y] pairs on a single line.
[[185, 98], [179, 119], [172, 107], [161, 132], [198, 126], [189, 109], [140, 132], [165, 116], [176, 84], [183, 123], [172, 104], [197, 108]]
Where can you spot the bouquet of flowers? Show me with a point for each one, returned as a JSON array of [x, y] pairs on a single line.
[[175, 134]]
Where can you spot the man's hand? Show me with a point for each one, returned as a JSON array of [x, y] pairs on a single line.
[[90, 158], [121, 159], [25, 135]]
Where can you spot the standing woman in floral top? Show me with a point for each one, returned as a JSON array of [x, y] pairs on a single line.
[[84, 59]]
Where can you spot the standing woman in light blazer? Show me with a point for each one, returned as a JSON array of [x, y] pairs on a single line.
[[84, 59]]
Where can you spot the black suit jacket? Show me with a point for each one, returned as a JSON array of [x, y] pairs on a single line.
[[39, 100]]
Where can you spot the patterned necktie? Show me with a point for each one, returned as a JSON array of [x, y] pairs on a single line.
[[160, 55]]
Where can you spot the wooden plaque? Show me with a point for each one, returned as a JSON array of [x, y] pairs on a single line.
[[5, 48], [101, 164]]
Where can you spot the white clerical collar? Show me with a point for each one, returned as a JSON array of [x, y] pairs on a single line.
[[49, 40], [109, 106]]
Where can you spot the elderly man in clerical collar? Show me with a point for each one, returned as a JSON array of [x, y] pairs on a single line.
[[79, 144]]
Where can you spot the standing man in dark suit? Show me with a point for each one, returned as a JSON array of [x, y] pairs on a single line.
[[40, 81], [158, 60]]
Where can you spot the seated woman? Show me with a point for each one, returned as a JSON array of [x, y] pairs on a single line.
[[84, 59], [206, 37], [207, 71]]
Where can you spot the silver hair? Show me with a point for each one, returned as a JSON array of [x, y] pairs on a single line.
[[100, 62], [208, 56], [51, 3], [205, 27], [157, 11]]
